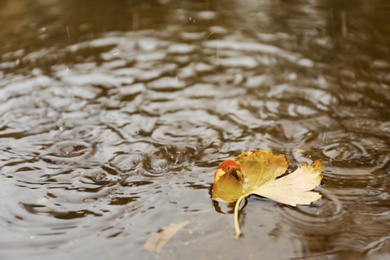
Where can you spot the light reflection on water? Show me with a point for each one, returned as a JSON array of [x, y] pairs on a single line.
[[115, 115]]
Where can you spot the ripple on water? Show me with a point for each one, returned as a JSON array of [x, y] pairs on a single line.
[[169, 159], [358, 151], [67, 152], [326, 213], [317, 224], [126, 163]]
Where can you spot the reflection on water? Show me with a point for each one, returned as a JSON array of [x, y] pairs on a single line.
[[114, 116]]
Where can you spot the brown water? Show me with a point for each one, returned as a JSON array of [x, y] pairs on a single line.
[[115, 114]]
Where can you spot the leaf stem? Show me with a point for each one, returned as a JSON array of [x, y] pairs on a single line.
[[236, 207]]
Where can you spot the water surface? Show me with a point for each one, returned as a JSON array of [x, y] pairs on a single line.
[[115, 115]]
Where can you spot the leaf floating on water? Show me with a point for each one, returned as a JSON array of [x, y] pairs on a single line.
[[294, 188], [260, 172], [158, 240], [228, 182]]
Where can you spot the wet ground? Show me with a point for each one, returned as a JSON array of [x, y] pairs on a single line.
[[115, 114]]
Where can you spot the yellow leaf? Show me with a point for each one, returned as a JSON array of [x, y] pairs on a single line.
[[294, 188], [260, 167], [260, 172], [228, 182]]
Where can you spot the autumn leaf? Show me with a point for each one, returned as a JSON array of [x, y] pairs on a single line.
[[228, 182], [158, 240], [261, 173]]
